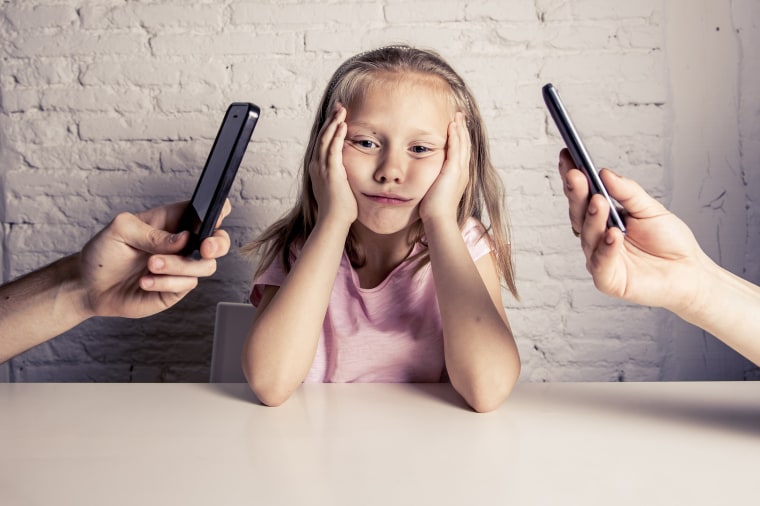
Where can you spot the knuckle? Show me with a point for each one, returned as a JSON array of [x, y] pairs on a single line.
[[122, 220], [333, 150], [156, 236]]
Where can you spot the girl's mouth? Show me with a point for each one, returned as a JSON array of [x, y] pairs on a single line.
[[387, 198]]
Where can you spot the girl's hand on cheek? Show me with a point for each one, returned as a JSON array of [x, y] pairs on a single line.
[[335, 200], [442, 199]]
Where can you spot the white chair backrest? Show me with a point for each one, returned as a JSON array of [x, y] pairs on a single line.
[[233, 320]]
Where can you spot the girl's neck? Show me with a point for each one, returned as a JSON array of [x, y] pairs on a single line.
[[382, 254]]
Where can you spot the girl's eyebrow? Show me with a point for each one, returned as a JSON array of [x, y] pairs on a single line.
[[418, 132], [427, 136], [362, 124]]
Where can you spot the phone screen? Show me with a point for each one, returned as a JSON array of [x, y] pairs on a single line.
[[578, 152], [218, 174]]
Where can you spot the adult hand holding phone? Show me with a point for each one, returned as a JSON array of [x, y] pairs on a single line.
[[658, 262], [132, 268], [654, 263]]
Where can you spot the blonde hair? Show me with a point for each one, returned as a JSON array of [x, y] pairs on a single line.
[[484, 192]]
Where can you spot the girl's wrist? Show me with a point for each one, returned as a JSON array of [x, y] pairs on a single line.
[[332, 225], [442, 220], [440, 228], [335, 216]]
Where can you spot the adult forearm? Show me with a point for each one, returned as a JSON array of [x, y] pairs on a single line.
[[728, 307], [40, 305]]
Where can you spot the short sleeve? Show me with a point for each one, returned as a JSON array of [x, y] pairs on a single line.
[[477, 239], [273, 275]]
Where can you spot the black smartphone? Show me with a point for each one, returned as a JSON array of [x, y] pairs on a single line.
[[578, 152], [214, 185]]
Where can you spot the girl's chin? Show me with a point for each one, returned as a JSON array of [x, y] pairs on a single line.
[[386, 225]]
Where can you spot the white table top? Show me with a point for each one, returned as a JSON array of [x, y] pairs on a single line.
[[206, 444]]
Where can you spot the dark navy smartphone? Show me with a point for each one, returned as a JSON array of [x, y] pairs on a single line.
[[214, 185], [578, 152]]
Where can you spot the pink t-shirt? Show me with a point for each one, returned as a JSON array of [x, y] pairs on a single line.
[[386, 334]]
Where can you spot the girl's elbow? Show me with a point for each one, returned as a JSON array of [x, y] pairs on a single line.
[[488, 395], [269, 398], [485, 405], [268, 392], [486, 402], [265, 387]]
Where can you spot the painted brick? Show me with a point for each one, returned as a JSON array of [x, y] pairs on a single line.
[[118, 128], [289, 14], [80, 44], [494, 10], [46, 71], [32, 18], [228, 43], [431, 11]]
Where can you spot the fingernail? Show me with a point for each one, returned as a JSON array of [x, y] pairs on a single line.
[[157, 263], [592, 209], [609, 239], [147, 282], [176, 237]]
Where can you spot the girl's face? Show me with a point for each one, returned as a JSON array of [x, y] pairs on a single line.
[[395, 148]]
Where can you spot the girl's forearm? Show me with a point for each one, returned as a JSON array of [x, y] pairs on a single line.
[[283, 338], [727, 307], [41, 305], [480, 353]]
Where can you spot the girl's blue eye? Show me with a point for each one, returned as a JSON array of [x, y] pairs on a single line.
[[364, 143], [419, 149]]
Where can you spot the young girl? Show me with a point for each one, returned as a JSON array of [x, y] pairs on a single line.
[[383, 271]]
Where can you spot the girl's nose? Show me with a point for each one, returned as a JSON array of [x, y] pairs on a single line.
[[390, 169]]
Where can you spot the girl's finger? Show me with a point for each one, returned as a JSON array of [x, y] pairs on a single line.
[[466, 142], [453, 145], [335, 148], [328, 133], [465, 151]]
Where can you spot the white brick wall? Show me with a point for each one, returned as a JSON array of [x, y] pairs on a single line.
[[109, 106]]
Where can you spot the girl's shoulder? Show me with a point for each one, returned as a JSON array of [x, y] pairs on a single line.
[[474, 230], [476, 237]]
